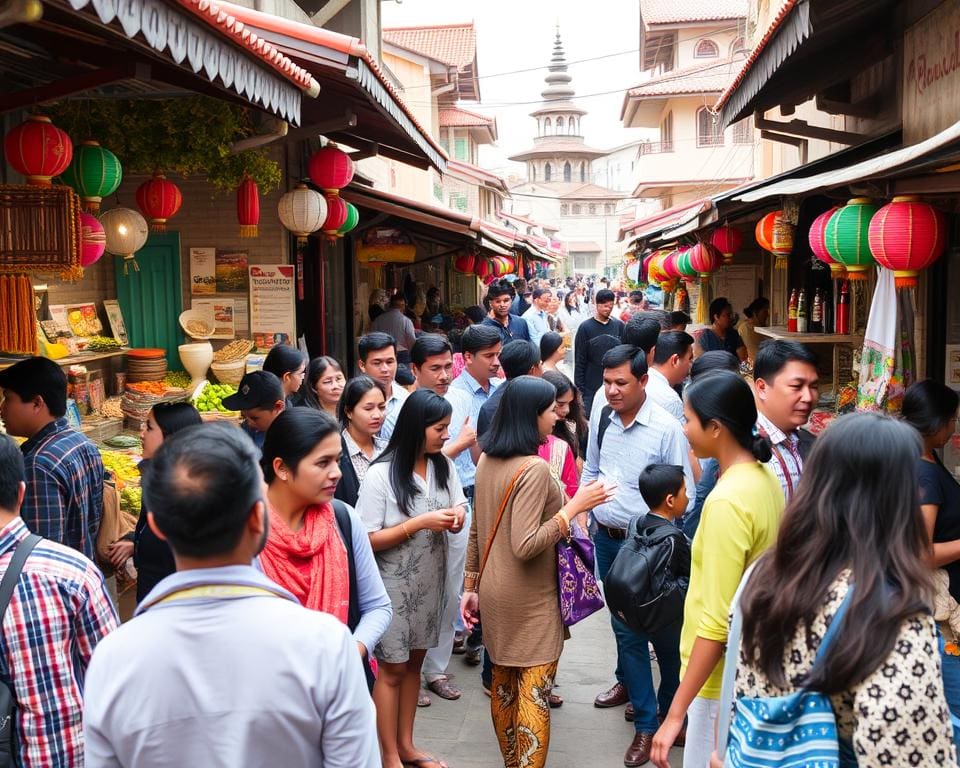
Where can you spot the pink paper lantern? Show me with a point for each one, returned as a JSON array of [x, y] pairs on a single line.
[[93, 239]]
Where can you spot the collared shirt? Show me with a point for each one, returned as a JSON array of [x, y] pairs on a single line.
[[664, 395], [361, 462], [276, 683], [64, 499], [653, 437], [463, 461], [538, 323], [478, 396], [398, 325], [787, 464], [516, 328], [394, 403], [59, 612]]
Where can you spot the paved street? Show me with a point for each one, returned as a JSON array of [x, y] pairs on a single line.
[[461, 733]]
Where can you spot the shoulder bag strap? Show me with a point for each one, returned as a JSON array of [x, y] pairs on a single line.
[[345, 526], [730, 666], [12, 576], [503, 506]]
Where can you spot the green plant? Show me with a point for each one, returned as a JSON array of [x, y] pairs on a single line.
[[188, 136]]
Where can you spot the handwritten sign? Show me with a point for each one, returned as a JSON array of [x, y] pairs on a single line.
[[931, 73]]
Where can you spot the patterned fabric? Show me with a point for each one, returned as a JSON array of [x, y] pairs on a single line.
[[521, 713], [787, 464], [897, 716], [360, 461], [64, 501], [478, 396], [56, 617]]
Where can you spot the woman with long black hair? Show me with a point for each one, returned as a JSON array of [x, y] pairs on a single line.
[[361, 412], [739, 522], [854, 524], [572, 426], [409, 499], [288, 364]]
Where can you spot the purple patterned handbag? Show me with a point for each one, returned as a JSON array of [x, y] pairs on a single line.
[[577, 586]]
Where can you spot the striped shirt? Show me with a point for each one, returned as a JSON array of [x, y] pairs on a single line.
[[787, 464], [64, 499], [653, 437], [56, 617]]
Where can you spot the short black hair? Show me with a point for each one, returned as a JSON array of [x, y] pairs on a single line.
[[714, 360], [538, 292], [374, 342], [475, 314], [397, 299], [774, 354], [292, 436], [201, 486], [604, 296], [718, 305], [627, 354], [671, 343], [641, 331], [677, 317], [172, 417], [636, 297], [404, 376], [518, 356], [499, 288], [550, 342], [12, 473], [758, 304], [515, 429], [38, 376], [478, 337], [284, 358], [657, 481], [428, 345], [927, 406]]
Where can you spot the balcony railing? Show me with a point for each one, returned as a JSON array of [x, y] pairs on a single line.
[[656, 147]]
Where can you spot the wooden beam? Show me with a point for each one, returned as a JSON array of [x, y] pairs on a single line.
[[803, 128], [864, 108], [793, 141], [325, 14], [65, 87]]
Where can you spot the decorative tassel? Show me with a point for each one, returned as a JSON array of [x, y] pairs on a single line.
[[249, 230]]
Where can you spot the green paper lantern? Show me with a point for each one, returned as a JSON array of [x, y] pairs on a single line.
[[353, 218], [684, 267], [93, 174], [847, 237]]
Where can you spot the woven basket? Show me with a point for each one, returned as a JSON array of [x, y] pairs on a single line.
[[42, 230], [229, 373]]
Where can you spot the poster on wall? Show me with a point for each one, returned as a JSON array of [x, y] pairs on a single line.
[[231, 272], [203, 271], [219, 313], [115, 317], [272, 309]]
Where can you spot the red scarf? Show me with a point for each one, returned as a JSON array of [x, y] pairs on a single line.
[[312, 562]]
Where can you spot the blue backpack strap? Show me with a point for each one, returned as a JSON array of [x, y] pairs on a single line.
[[833, 629]]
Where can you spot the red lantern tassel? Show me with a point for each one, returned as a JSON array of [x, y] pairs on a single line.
[[248, 208]]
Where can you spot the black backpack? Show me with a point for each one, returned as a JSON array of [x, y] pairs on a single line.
[[647, 582]]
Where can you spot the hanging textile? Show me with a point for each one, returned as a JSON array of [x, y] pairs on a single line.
[[888, 363]]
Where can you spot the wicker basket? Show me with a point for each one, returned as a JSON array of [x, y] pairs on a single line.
[[229, 373]]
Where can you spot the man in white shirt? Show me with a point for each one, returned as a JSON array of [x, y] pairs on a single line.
[[237, 672], [432, 363], [672, 358], [536, 318], [395, 323], [377, 354]]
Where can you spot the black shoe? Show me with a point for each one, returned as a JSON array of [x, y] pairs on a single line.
[[473, 656]]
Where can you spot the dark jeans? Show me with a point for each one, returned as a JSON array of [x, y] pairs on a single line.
[[475, 641], [633, 654]]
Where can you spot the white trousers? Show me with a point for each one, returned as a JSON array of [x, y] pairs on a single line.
[[437, 659], [701, 732]]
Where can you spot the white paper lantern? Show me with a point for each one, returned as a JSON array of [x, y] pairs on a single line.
[[302, 211], [126, 232]]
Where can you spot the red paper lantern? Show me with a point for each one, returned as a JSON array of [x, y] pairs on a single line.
[[510, 264], [764, 230], [93, 239], [465, 263], [671, 268], [336, 215], [248, 208], [907, 235], [818, 244], [705, 258], [484, 269], [331, 169], [38, 150], [727, 240], [158, 200]]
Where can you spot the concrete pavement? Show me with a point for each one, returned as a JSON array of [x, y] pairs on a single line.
[[460, 732]]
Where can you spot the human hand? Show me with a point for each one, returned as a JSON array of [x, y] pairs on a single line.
[[590, 495], [663, 740], [119, 552], [470, 609], [715, 760], [439, 520], [467, 437]]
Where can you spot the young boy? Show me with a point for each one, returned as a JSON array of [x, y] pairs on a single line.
[[260, 399], [664, 490]]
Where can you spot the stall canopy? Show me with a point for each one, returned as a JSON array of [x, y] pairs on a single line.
[[143, 49], [358, 105]]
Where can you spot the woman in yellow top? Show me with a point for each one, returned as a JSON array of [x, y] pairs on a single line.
[[739, 522], [757, 314]]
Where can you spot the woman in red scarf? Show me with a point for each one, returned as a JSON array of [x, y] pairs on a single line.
[[316, 551]]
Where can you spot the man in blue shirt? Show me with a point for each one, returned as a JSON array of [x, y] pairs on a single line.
[[536, 316], [509, 326]]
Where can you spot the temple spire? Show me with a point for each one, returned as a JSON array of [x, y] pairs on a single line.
[[558, 87]]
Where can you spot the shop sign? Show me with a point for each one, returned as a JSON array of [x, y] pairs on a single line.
[[272, 309], [931, 73]]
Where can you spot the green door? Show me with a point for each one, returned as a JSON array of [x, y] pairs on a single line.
[[151, 299]]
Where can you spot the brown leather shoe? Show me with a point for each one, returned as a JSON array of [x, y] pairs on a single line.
[[638, 753], [615, 697], [681, 740], [628, 713]]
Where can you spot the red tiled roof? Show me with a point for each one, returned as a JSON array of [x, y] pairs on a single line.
[[669, 215], [451, 44], [457, 117], [223, 19], [681, 11], [785, 10], [709, 78]]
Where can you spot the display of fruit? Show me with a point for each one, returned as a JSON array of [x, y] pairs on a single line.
[[130, 499], [122, 441], [121, 465], [178, 379], [158, 388], [102, 344], [233, 351], [211, 398]]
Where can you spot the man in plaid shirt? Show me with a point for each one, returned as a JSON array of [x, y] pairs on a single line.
[[56, 616], [64, 500]]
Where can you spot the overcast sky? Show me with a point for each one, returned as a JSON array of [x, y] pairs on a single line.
[[518, 35]]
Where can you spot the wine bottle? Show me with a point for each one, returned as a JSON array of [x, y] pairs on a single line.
[[801, 313], [816, 315], [792, 312]]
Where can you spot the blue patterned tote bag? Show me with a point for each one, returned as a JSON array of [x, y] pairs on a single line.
[[794, 731]]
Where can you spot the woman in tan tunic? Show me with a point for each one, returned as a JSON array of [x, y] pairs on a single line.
[[522, 629]]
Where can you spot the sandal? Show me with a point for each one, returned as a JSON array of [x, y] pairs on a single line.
[[554, 701], [417, 762], [444, 689], [423, 700]]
